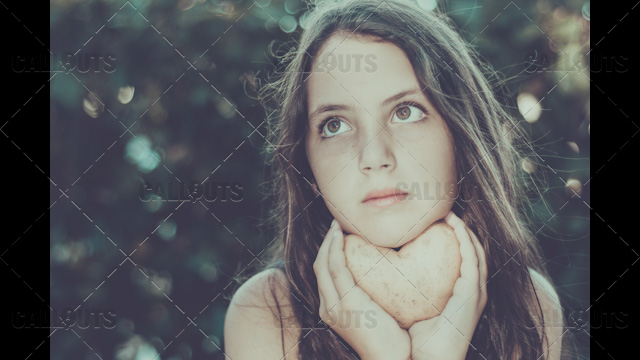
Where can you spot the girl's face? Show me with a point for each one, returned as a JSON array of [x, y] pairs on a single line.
[[381, 132]]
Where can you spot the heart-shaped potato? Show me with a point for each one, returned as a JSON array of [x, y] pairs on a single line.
[[431, 262]]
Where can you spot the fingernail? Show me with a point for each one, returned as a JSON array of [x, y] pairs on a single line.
[[333, 223], [335, 234]]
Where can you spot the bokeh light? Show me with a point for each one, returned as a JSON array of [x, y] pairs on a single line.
[[139, 153], [92, 106], [125, 94], [529, 107], [288, 23], [586, 10], [167, 230], [573, 187]]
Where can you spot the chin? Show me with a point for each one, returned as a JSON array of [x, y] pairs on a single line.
[[391, 237], [394, 229], [394, 233]]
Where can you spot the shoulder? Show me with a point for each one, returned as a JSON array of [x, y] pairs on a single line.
[[552, 323], [262, 289], [260, 318], [543, 286]]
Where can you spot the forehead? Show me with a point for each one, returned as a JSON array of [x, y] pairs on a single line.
[[358, 71]]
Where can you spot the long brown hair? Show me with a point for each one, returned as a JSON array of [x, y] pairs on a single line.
[[488, 146]]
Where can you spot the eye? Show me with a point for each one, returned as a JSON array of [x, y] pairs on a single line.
[[333, 126], [410, 112]]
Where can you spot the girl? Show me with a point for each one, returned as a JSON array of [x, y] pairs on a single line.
[[381, 95]]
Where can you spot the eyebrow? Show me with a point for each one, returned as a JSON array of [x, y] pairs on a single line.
[[335, 107]]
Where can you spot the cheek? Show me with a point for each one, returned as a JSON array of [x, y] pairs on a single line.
[[328, 157], [434, 163], [328, 170], [436, 154]]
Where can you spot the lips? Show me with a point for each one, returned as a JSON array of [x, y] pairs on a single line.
[[382, 193]]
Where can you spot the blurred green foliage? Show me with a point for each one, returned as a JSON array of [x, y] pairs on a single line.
[[162, 93]]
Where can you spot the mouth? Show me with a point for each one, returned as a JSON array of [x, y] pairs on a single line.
[[385, 197]]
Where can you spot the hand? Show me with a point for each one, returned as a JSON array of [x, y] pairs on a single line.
[[349, 311], [448, 335]]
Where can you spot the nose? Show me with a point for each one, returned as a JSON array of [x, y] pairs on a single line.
[[377, 152]]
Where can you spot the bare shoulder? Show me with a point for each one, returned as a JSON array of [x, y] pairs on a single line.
[[553, 323], [544, 287], [262, 290], [259, 317]]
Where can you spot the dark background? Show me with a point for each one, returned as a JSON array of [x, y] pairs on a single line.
[[163, 93]]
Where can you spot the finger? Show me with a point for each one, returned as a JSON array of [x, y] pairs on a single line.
[[462, 307], [321, 268], [466, 287], [451, 219], [482, 257], [469, 266], [323, 312], [321, 297], [467, 284], [482, 266], [340, 273]]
